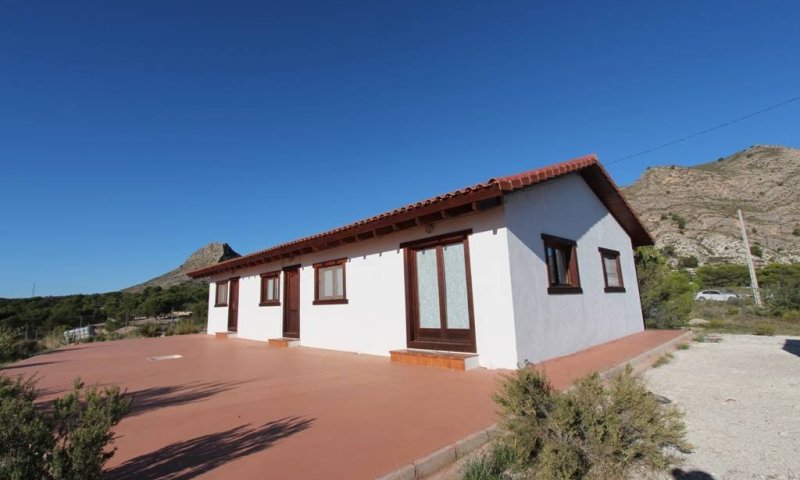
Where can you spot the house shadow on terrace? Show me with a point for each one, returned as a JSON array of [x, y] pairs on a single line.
[[191, 458], [792, 346], [679, 474]]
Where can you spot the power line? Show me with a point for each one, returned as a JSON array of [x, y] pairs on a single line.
[[707, 130]]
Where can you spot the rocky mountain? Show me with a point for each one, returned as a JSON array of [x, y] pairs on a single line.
[[692, 211], [208, 255]]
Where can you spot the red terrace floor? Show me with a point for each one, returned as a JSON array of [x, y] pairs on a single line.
[[241, 409]]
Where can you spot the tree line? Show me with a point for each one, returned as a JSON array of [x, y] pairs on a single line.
[[37, 316], [667, 294]]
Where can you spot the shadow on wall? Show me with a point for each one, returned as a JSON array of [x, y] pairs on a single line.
[[679, 474], [168, 396], [191, 458], [792, 346]]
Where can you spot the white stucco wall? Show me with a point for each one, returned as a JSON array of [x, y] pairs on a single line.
[[217, 317], [374, 320], [549, 325]]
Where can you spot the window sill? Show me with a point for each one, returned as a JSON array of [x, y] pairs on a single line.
[[333, 301], [615, 289], [273, 303], [564, 290]]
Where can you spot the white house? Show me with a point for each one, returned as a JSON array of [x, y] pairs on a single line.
[[520, 268]]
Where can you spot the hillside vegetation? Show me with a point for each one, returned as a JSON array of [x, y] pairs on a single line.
[[28, 325], [691, 211], [26, 321]]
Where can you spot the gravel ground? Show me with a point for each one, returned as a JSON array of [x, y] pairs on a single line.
[[742, 402]]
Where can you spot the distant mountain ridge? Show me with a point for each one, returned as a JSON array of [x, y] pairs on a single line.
[[693, 210], [208, 255]]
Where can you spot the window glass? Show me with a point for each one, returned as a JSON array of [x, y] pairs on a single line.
[[330, 282], [222, 293], [455, 276], [612, 273], [562, 265], [428, 288]]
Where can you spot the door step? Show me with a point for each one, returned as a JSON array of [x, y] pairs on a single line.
[[224, 335], [436, 358], [284, 342]]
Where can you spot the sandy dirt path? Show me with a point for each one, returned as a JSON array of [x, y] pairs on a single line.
[[742, 402]]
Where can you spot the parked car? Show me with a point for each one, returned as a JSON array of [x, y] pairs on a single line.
[[715, 295]]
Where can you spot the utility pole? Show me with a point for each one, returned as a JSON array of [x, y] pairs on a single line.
[[753, 278]]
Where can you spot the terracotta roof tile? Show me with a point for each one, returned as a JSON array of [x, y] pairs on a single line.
[[591, 169]]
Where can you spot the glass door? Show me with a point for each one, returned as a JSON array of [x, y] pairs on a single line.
[[440, 297]]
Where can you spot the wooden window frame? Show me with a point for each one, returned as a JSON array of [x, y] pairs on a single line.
[[573, 273], [263, 301], [227, 293], [608, 253], [330, 301]]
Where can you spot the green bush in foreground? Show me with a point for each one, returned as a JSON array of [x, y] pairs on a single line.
[[593, 431], [67, 441]]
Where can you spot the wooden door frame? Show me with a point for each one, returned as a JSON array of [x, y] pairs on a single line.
[[231, 306], [409, 249], [286, 304]]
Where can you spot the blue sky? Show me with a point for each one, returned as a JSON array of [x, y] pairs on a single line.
[[133, 133]]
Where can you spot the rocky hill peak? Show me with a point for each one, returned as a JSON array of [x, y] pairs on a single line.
[[210, 254], [692, 210]]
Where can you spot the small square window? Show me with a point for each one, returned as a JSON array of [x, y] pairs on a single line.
[[330, 282], [612, 270], [562, 265], [270, 289], [222, 294]]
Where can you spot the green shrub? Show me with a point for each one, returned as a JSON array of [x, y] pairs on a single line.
[[67, 441], [784, 297], [13, 347], [8, 342], [150, 329], [757, 251], [776, 274], [54, 339], [663, 360], [725, 275], [791, 315], [491, 466], [796, 231], [185, 326], [593, 431], [764, 329], [668, 250], [667, 296], [679, 221], [688, 262]]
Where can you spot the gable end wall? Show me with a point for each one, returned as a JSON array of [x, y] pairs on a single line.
[[552, 325]]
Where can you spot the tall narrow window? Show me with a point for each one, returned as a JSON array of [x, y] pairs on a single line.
[[612, 270], [329, 285], [270, 289], [222, 294], [562, 265]]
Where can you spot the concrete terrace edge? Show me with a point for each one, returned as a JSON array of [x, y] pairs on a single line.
[[446, 456]]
